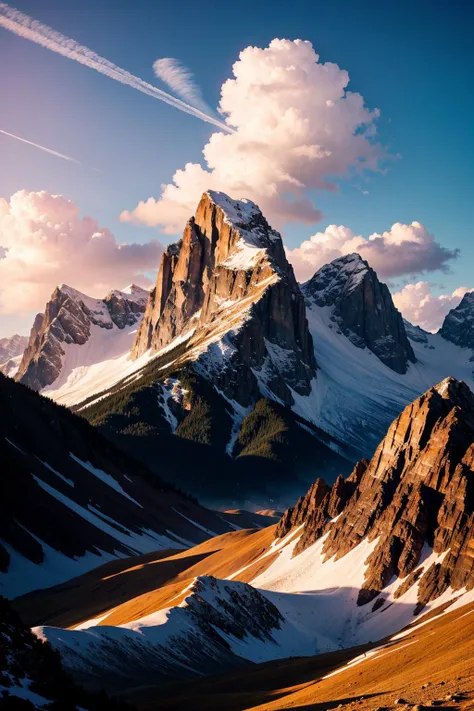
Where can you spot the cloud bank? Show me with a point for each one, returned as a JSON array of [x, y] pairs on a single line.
[[404, 249], [294, 125], [44, 241], [422, 308], [181, 80]]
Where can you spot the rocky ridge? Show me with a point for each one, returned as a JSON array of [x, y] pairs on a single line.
[[228, 289], [211, 631], [458, 325], [414, 496], [362, 309], [69, 319]]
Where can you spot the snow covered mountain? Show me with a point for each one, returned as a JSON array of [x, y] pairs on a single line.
[[362, 309], [70, 500], [229, 291], [11, 352], [361, 386], [348, 565], [290, 381], [81, 342], [458, 326]]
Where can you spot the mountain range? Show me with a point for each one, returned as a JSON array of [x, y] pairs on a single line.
[[328, 557], [273, 381], [348, 565]]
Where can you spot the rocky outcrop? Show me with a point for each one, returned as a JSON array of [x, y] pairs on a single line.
[[321, 504], [32, 676], [68, 319], [417, 491], [458, 326], [228, 288], [362, 309], [218, 628]]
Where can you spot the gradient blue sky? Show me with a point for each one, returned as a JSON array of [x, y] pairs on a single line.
[[412, 60]]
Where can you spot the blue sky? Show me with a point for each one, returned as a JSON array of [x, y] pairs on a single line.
[[412, 60]]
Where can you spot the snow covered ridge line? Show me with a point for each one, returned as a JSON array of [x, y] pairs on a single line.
[[299, 606], [80, 338]]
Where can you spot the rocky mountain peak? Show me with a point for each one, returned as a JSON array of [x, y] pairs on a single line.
[[12, 346], [11, 350], [228, 282], [362, 309], [458, 326], [68, 319], [415, 498]]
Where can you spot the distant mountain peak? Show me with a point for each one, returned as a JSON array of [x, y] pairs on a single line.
[[458, 325], [69, 318], [362, 308], [11, 351]]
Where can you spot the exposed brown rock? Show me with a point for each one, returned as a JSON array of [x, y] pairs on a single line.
[[418, 489], [228, 285], [318, 506], [68, 318]]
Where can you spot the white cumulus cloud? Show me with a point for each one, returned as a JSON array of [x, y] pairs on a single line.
[[404, 249], [44, 241], [422, 308], [295, 126]]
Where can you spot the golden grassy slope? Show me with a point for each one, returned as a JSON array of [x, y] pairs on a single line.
[[138, 586]]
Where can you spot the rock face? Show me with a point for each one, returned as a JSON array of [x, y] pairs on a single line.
[[68, 319], [417, 491], [228, 287], [362, 309], [458, 326]]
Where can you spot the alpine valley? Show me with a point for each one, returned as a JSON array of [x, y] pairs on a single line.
[[237, 492]]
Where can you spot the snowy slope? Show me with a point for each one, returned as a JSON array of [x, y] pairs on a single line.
[[70, 500], [82, 345], [297, 607], [355, 396]]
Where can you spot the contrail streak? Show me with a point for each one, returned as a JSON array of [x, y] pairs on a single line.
[[28, 28], [43, 148]]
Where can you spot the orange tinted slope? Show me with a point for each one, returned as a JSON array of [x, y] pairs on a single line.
[[438, 655], [147, 580]]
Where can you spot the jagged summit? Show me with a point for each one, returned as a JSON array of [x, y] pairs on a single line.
[[69, 319], [362, 309], [458, 326], [414, 499], [228, 288], [332, 281]]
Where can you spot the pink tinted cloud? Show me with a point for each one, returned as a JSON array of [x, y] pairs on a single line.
[[404, 249], [421, 307], [44, 241]]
